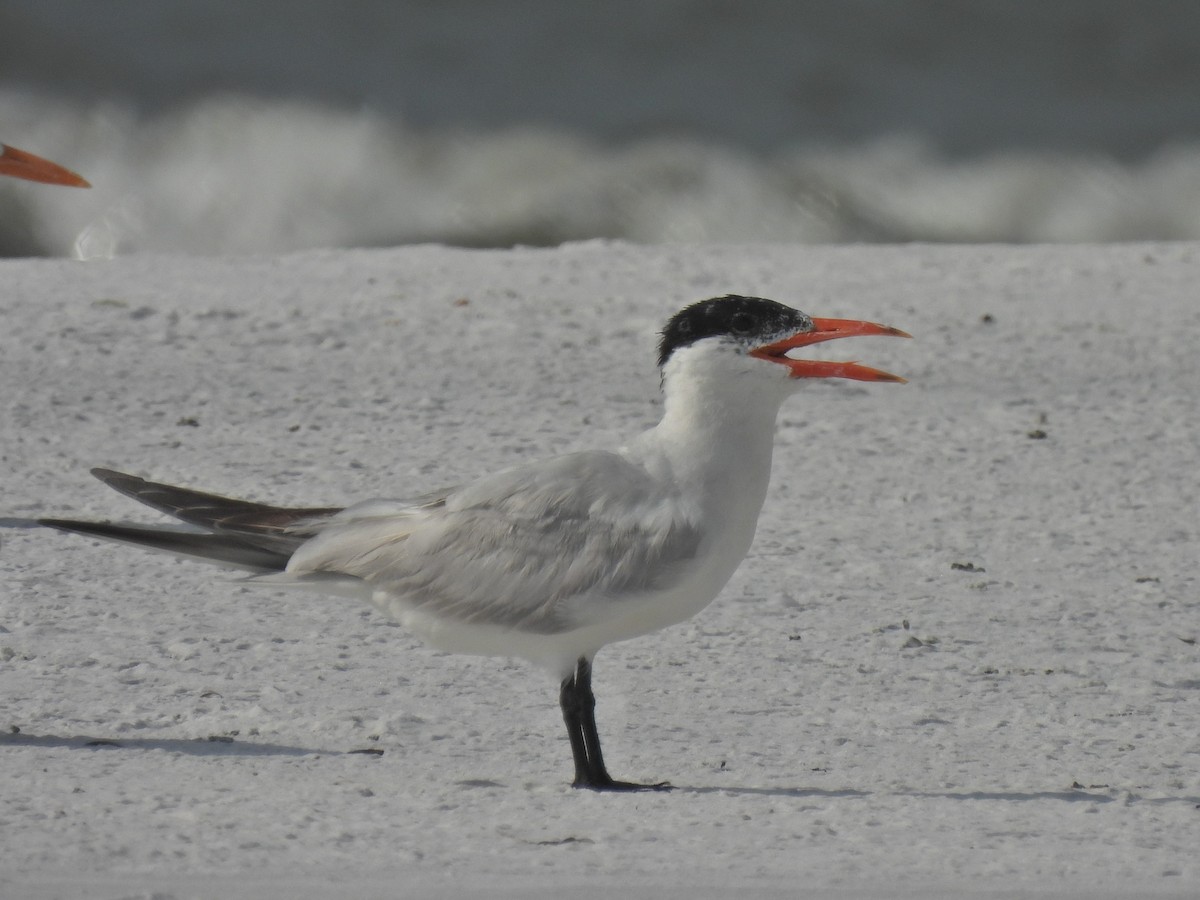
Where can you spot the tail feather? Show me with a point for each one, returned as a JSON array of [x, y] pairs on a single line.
[[239, 533]]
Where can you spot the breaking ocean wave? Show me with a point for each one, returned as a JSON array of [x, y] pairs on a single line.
[[232, 175]]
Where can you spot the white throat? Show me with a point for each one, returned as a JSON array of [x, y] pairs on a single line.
[[715, 440]]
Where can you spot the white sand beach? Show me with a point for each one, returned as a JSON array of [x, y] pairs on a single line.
[[961, 658]]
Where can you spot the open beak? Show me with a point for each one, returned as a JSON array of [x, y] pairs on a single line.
[[20, 164], [829, 330]]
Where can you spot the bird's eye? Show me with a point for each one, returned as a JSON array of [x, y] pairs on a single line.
[[741, 323]]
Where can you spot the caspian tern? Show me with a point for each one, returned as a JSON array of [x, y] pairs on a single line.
[[20, 164], [551, 560]]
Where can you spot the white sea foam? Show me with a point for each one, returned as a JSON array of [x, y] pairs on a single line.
[[233, 175]]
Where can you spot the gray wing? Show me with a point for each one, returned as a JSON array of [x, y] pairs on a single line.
[[536, 548]]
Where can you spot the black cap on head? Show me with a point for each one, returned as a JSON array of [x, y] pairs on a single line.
[[741, 318]]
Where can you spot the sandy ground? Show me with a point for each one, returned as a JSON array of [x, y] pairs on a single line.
[[961, 657]]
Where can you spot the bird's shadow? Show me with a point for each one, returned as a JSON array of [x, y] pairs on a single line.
[[795, 792], [1071, 796], [226, 746], [212, 746]]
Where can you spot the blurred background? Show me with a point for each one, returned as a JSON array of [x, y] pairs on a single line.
[[227, 126]]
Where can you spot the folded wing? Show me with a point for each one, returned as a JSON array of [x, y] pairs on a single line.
[[542, 548]]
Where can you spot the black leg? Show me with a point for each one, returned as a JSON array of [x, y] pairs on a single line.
[[569, 701], [579, 713]]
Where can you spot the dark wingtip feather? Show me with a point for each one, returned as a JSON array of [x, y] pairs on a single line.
[[108, 476], [220, 548]]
